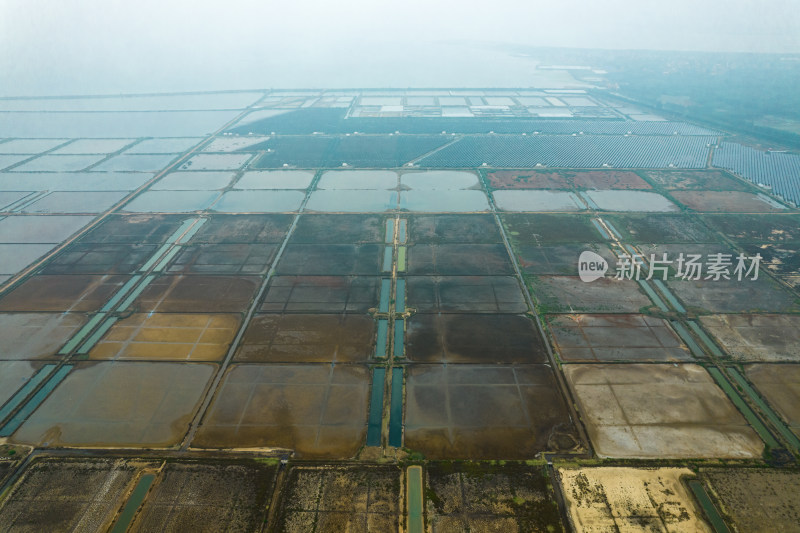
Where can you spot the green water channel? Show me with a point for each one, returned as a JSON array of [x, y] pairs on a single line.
[[683, 333], [399, 334], [389, 231], [705, 338], [669, 296], [414, 480], [133, 503], [383, 332], [402, 231], [25, 390], [396, 409], [387, 259], [78, 337], [599, 227], [376, 408], [653, 296], [386, 295], [400, 297], [740, 404], [708, 506], [401, 259], [766, 409], [97, 335], [28, 408]]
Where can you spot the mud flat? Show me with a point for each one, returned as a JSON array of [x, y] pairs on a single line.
[[630, 201], [780, 385], [66, 495], [696, 180], [231, 259], [435, 229], [334, 499], [616, 338], [36, 335], [659, 411], [197, 294], [331, 259], [557, 258], [315, 410], [485, 497], [766, 228], [207, 497], [168, 337], [661, 228], [295, 338], [565, 179], [466, 338], [733, 296], [459, 259], [568, 294], [338, 229], [477, 412], [470, 294], [630, 499], [321, 294], [767, 338], [118, 404], [727, 202], [756, 500], [77, 293]]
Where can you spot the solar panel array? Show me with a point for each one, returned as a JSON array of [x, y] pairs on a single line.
[[332, 121], [583, 151], [781, 171]]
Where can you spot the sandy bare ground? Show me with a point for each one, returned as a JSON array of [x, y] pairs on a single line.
[[630, 499]]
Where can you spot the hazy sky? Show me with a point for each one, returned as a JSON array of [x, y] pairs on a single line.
[[99, 46]]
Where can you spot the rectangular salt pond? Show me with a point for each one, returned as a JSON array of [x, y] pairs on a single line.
[[216, 162], [420, 101], [10, 160], [75, 202], [163, 102], [234, 143], [444, 201], [174, 145], [396, 409], [78, 181], [499, 100], [136, 163], [352, 201], [456, 112], [13, 375], [109, 125], [537, 201], [323, 411], [259, 202], [119, 404], [8, 199], [40, 229], [36, 335], [533, 101], [169, 202], [29, 146], [358, 179], [452, 100], [94, 146], [56, 163], [381, 100], [193, 181], [275, 179], [630, 201], [376, 407], [439, 180]]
